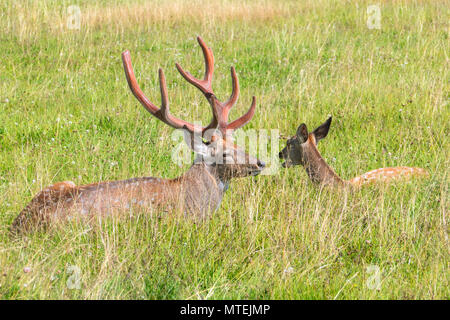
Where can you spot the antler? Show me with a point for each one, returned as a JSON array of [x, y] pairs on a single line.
[[220, 110], [160, 113]]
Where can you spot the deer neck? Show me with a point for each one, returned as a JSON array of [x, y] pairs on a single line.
[[208, 175], [202, 188], [316, 167]]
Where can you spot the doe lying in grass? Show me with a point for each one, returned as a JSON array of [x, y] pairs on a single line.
[[301, 149], [198, 192]]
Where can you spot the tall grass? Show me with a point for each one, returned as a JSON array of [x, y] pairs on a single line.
[[67, 114]]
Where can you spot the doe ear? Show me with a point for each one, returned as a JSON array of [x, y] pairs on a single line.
[[302, 133], [322, 130]]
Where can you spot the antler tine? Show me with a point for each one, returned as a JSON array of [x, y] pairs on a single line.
[[163, 113], [205, 85], [134, 87], [240, 122], [235, 91]]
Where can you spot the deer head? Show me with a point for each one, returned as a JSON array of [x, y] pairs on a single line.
[[213, 143], [300, 147]]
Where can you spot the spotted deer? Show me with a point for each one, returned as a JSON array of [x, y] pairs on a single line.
[[197, 192], [301, 149]]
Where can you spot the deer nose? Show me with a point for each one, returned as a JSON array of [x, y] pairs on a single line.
[[261, 164], [280, 155]]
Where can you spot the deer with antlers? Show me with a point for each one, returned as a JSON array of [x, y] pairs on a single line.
[[197, 192], [301, 149]]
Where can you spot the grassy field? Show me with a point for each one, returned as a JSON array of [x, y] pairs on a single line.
[[67, 114]]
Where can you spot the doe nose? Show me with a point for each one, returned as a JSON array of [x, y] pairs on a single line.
[[261, 164], [280, 155]]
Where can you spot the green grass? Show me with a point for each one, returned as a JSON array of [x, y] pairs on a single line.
[[67, 114]]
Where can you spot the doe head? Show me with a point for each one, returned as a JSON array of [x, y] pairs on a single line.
[[294, 152]]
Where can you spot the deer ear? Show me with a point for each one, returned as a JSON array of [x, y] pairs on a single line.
[[322, 130], [302, 133], [195, 142]]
